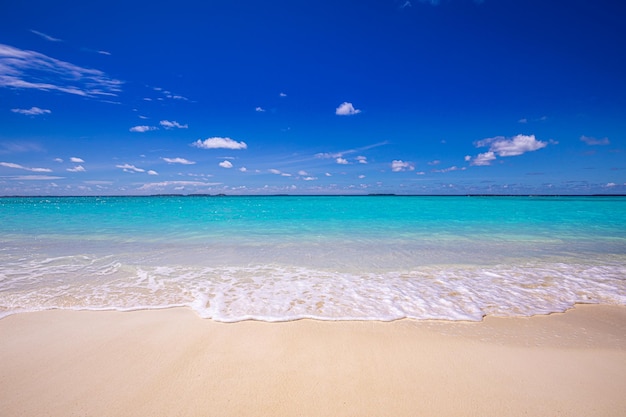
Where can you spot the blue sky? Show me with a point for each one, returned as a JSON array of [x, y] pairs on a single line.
[[327, 97]]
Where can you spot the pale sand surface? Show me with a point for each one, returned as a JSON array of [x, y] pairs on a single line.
[[172, 363]]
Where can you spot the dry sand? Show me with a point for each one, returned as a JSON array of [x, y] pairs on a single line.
[[172, 363]]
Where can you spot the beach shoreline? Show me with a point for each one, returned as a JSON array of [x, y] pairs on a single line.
[[172, 362]]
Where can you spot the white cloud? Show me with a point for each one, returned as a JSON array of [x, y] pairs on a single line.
[[226, 164], [593, 141], [260, 109], [77, 160], [302, 173], [484, 159], [283, 95], [399, 165], [346, 109], [218, 142], [341, 161], [33, 111], [142, 129], [77, 168], [104, 52], [152, 172], [18, 166], [23, 69], [182, 161], [277, 172], [309, 178], [361, 159], [243, 169], [130, 168], [58, 160], [171, 125], [46, 37], [515, 146], [501, 146], [361, 176], [328, 174]]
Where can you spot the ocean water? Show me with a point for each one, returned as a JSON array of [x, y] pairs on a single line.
[[330, 258]]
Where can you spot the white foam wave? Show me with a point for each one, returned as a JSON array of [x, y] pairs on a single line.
[[280, 293]]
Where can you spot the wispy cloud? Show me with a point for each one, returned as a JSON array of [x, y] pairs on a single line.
[[278, 172], [23, 69], [18, 166], [341, 154], [143, 128], [180, 185], [77, 160], [219, 143], [166, 94], [129, 168], [173, 124], [449, 169], [594, 141], [46, 37], [34, 178], [78, 168], [260, 109], [346, 109], [182, 161], [33, 111], [18, 147]]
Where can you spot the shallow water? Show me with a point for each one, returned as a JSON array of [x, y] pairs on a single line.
[[333, 258]]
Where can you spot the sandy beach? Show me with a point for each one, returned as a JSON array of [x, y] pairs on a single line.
[[172, 363]]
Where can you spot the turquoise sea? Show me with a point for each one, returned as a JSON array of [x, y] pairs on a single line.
[[332, 258]]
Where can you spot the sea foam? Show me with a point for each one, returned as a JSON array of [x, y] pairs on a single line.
[[280, 293]]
